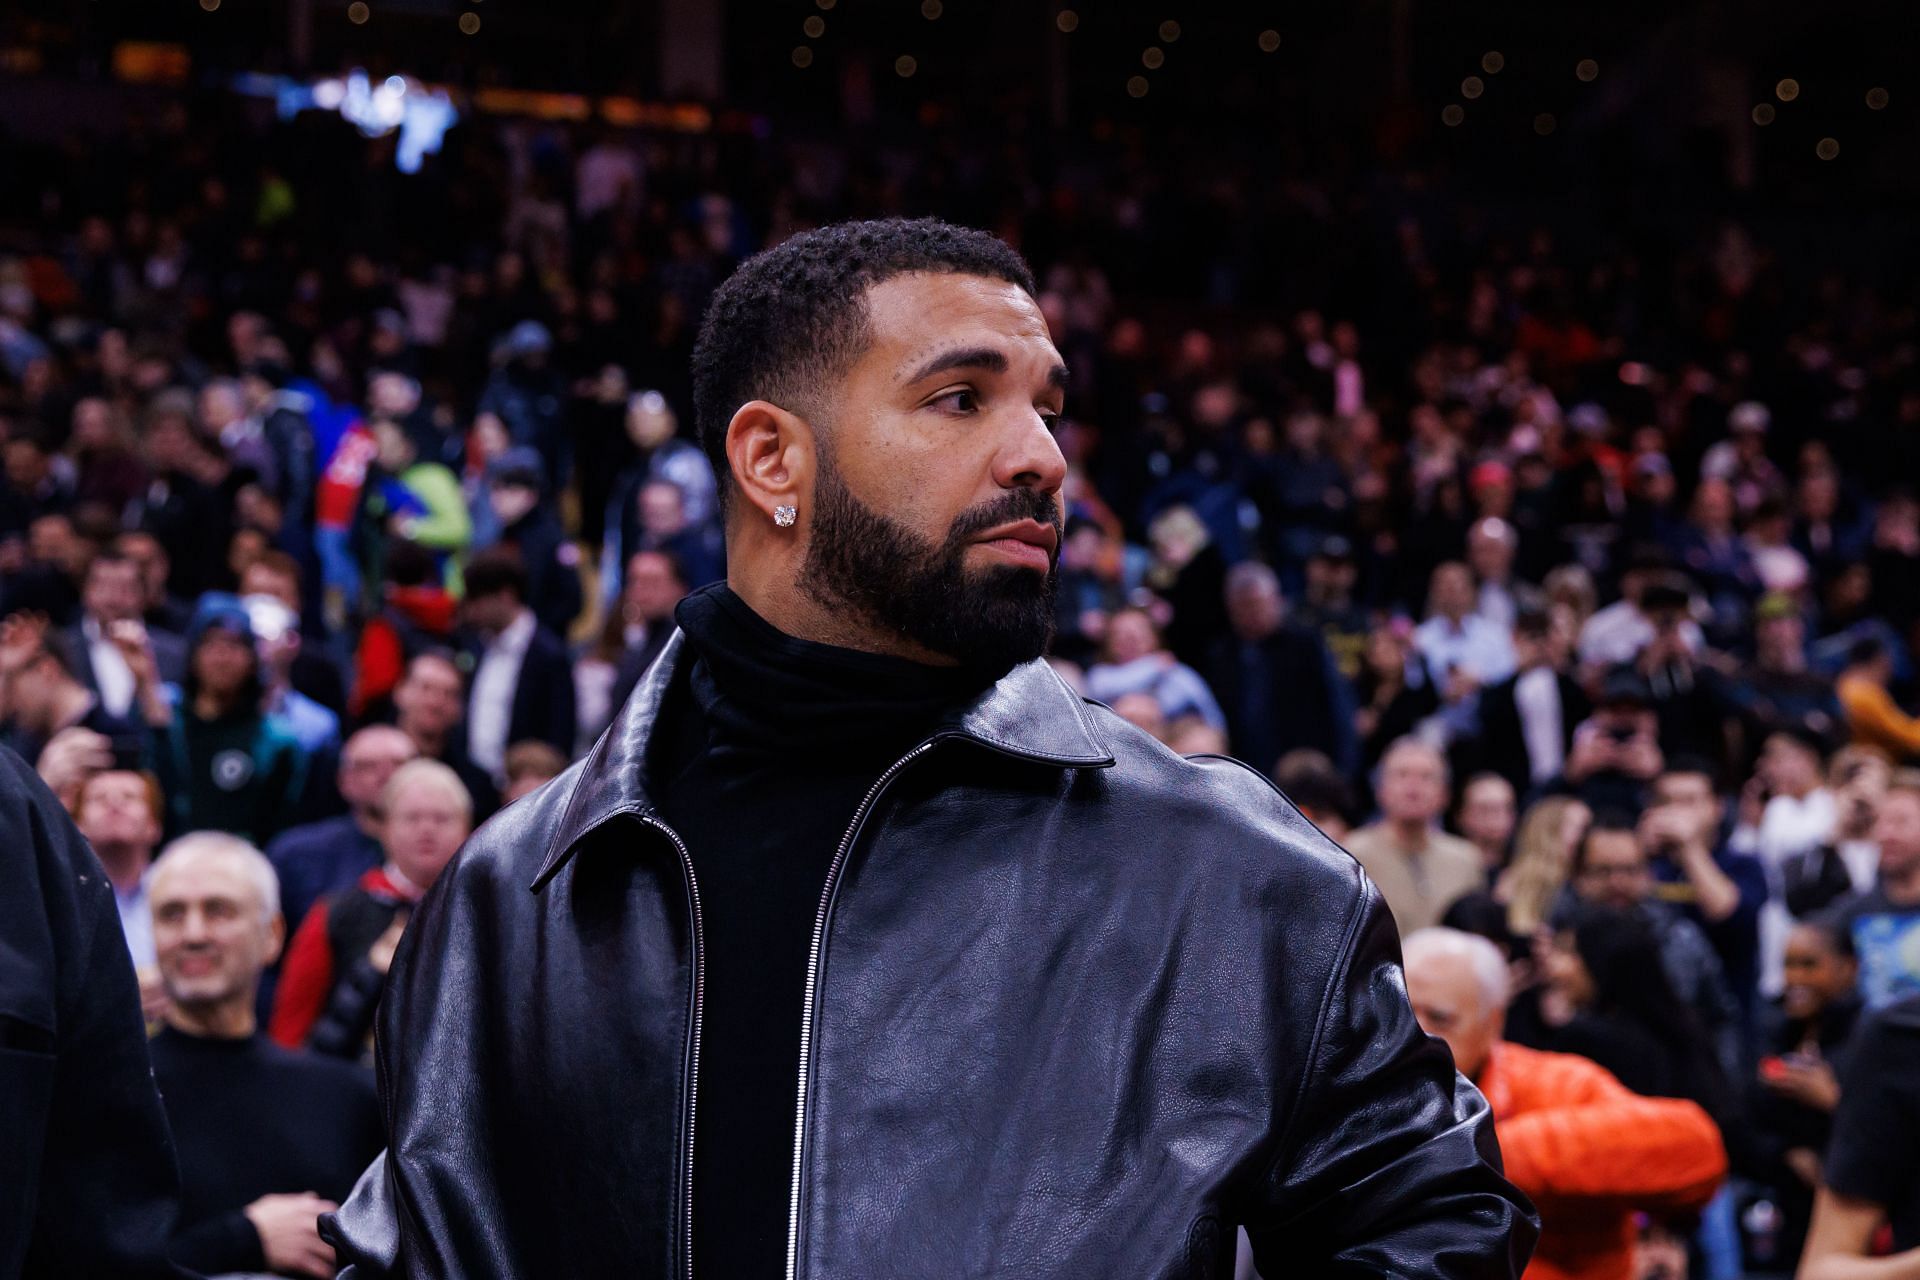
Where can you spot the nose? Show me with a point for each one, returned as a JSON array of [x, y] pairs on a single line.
[[1031, 457]]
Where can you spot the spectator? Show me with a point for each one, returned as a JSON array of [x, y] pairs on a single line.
[[1884, 922], [337, 964], [1542, 862], [1463, 649], [1330, 606], [1695, 871], [1805, 1041], [416, 613], [1318, 789], [1778, 691], [1527, 721], [1848, 862], [256, 1171], [530, 765], [327, 857], [1134, 662], [1419, 869], [429, 707], [1611, 870], [277, 630], [1395, 694], [530, 528], [522, 677], [1873, 717], [1486, 819], [1277, 682], [1492, 545], [224, 764], [119, 812], [1616, 751], [660, 456], [1872, 1182], [1615, 635], [313, 673], [417, 500], [1786, 814], [1590, 1154], [114, 593], [41, 700], [631, 638]]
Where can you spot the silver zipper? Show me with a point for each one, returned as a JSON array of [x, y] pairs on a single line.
[[693, 1049], [813, 982]]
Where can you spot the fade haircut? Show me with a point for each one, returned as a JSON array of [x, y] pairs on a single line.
[[794, 319]]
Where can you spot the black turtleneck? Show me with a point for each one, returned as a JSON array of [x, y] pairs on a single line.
[[764, 755]]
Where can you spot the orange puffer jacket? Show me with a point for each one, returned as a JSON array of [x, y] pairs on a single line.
[[1591, 1154]]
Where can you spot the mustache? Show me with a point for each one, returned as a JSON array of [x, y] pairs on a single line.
[[1016, 504]]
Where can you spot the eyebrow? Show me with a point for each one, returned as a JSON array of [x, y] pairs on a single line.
[[985, 358]]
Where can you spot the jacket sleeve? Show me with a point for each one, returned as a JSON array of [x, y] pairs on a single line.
[[304, 982], [1387, 1164], [1606, 1143]]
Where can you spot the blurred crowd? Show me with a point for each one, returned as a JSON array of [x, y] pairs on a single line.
[[1572, 587]]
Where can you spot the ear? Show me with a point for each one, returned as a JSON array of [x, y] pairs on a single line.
[[277, 936], [770, 452]]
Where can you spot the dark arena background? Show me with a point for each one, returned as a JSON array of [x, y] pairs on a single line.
[[1496, 423]]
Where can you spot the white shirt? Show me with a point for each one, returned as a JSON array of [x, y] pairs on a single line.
[[1620, 631], [1789, 827], [136, 921], [490, 706], [1482, 649], [110, 669], [1536, 697]]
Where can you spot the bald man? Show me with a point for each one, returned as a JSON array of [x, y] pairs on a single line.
[[328, 856], [1590, 1154], [269, 1139]]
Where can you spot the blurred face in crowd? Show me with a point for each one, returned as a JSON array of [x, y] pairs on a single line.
[[1789, 766], [220, 406], [1692, 792], [650, 422], [367, 763], [393, 448], [935, 474], [1488, 812], [1713, 505], [1566, 973], [222, 662], [1452, 591], [1451, 1003], [428, 698], [512, 501], [1413, 784], [146, 552], [212, 932], [492, 613], [1613, 870], [117, 812], [427, 820], [1254, 606], [1779, 643], [1816, 973], [1898, 833], [663, 510], [113, 590], [653, 587], [1330, 579], [1143, 712], [1860, 783], [1490, 550], [1130, 635], [392, 395], [26, 465], [263, 579]]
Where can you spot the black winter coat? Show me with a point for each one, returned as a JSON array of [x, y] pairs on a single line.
[[1078, 1007]]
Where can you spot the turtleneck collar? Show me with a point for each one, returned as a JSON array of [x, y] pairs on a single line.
[[760, 687]]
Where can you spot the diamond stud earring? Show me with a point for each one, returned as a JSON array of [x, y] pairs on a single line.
[[784, 516]]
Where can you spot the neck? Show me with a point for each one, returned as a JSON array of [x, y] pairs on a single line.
[[70, 703], [124, 863], [367, 820], [209, 705], [1902, 885], [1410, 832], [230, 1019], [430, 744]]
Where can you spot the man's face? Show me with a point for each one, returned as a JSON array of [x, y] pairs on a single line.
[[425, 826], [1491, 554], [1897, 831], [1413, 786], [222, 661], [1452, 591], [1449, 1004], [116, 809], [937, 512], [261, 579], [1614, 873], [113, 591], [663, 512], [368, 761], [1789, 765], [493, 613], [145, 552], [1487, 812], [653, 588], [428, 699], [1690, 791], [211, 932], [1254, 609]]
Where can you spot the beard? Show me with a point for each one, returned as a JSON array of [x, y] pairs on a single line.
[[989, 619]]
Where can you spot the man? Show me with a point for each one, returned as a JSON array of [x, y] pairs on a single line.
[[530, 766], [159, 608], [858, 892], [528, 525], [1873, 717], [328, 856], [1492, 546], [1527, 721], [87, 1179], [655, 584], [269, 1140], [1884, 922], [119, 812], [1330, 607], [1461, 646], [1777, 690], [660, 456], [1615, 753], [1696, 872], [522, 675], [1277, 683], [223, 763], [113, 592], [313, 673], [429, 706], [1589, 1153], [337, 964], [1872, 1178], [1486, 818], [1610, 868], [41, 700], [1421, 870], [1786, 815]]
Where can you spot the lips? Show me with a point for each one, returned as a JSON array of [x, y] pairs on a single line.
[[1026, 542]]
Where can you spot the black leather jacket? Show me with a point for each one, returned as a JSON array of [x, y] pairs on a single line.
[[1078, 1008]]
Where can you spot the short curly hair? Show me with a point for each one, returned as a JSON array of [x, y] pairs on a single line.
[[794, 318]]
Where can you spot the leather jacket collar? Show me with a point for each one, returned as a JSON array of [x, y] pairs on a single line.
[[1029, 714]]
